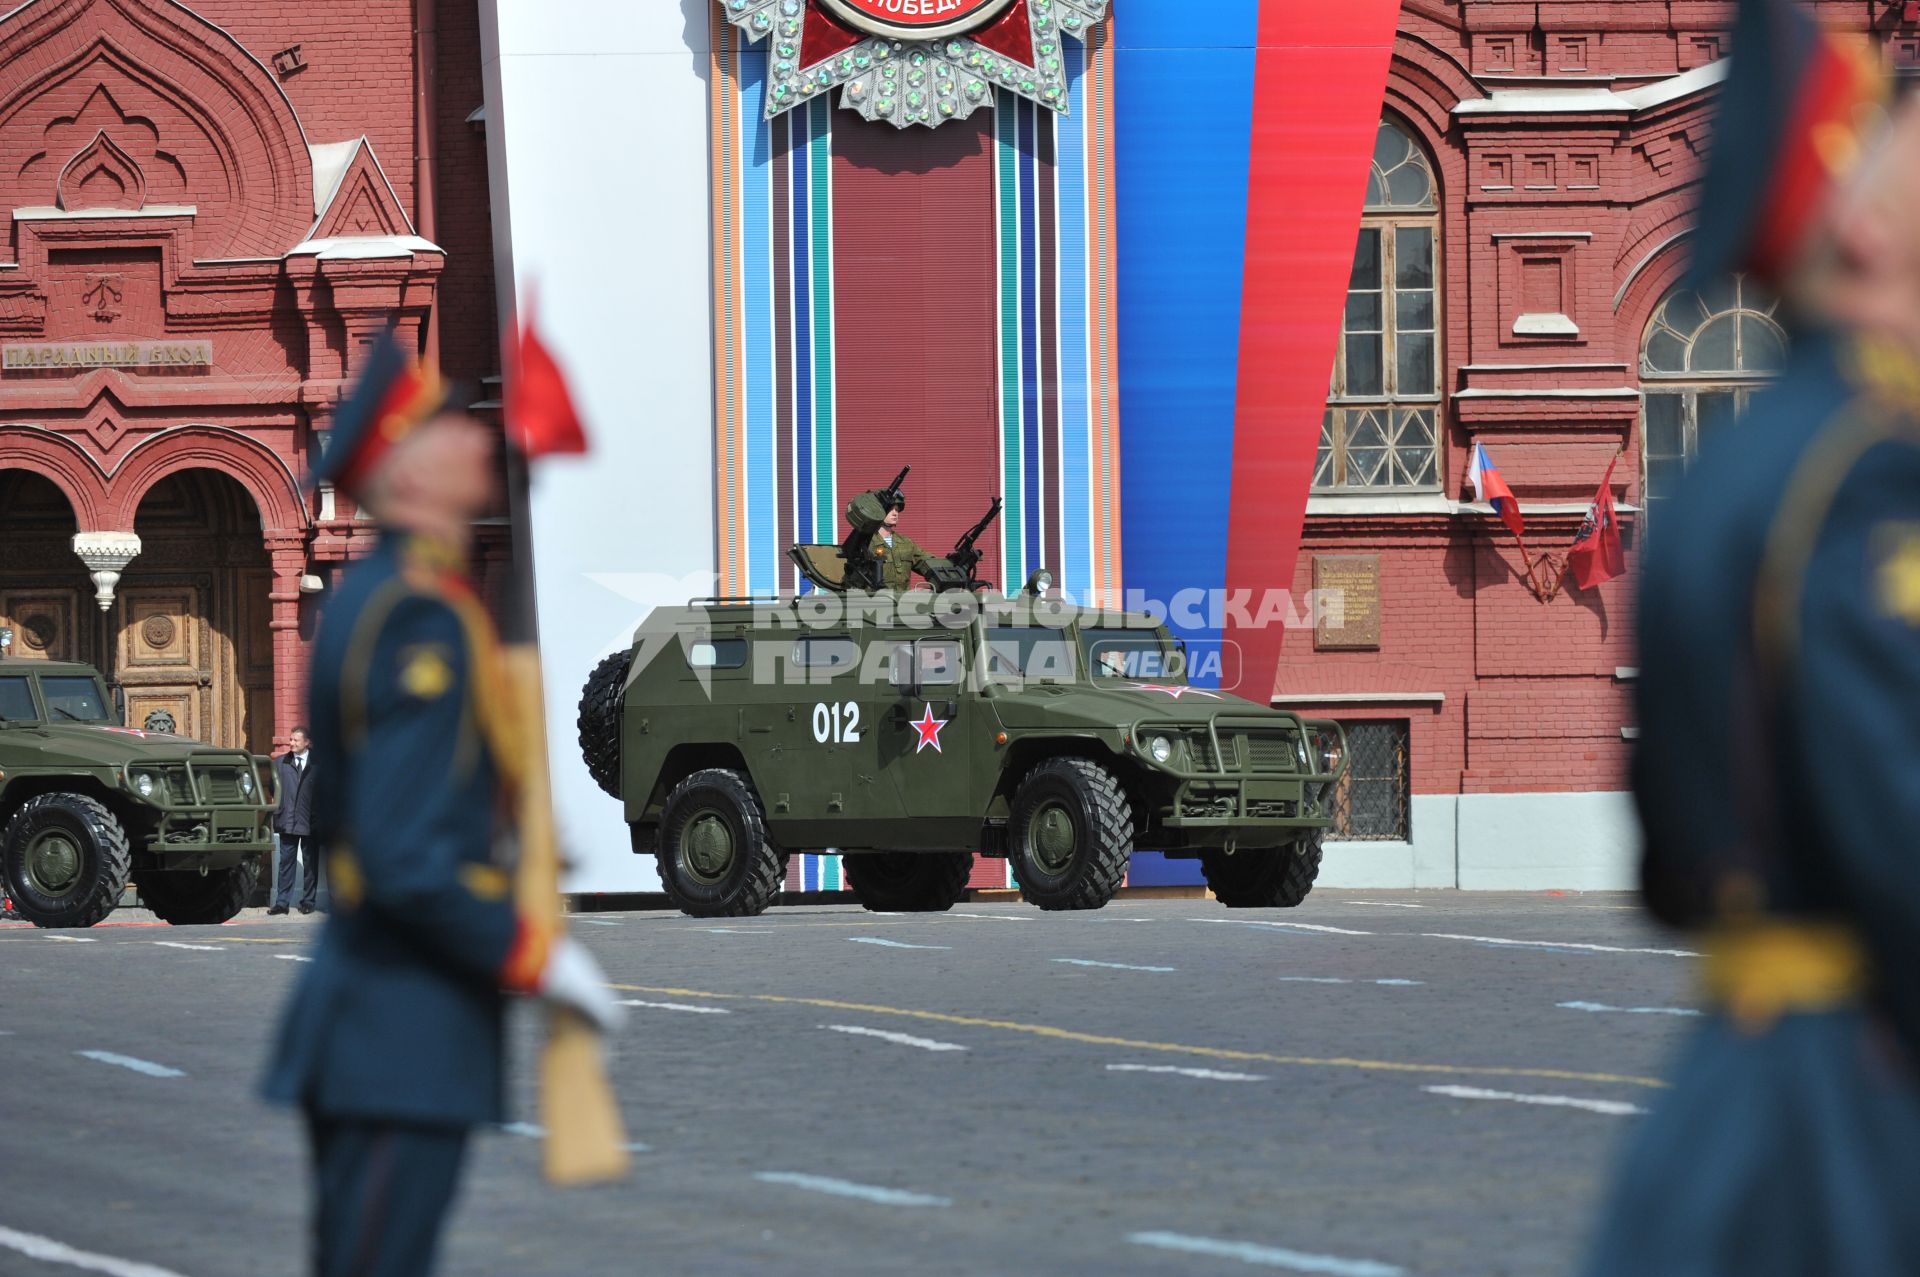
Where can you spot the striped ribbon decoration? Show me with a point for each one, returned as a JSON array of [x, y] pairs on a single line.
[[1059, 378], [774, 323], [1057, 433]]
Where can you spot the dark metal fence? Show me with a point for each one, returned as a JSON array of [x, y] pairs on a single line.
[[1370, 802]]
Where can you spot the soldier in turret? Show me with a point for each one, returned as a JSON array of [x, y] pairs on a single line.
[[900, 555]]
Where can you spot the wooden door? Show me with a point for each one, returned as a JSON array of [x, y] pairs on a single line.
[[163, 661], [45, 623]]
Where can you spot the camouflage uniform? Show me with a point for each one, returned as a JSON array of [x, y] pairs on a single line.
[[898, 561]]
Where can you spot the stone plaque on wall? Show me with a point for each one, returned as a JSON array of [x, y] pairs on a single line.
[[1355, 581]]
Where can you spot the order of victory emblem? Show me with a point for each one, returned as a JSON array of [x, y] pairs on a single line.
[[915, 61]]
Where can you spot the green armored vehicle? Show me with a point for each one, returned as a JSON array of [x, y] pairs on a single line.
[[86, 804], [909, 731]]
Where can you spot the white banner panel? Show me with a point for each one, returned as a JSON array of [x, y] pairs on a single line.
[[596, 119]]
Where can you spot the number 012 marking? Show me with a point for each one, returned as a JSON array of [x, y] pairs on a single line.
[[838, 724]]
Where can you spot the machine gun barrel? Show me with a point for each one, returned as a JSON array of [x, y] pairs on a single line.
[[892, 490], [964, 546]]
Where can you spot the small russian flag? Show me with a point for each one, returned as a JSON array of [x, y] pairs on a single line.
[[1488, 486]]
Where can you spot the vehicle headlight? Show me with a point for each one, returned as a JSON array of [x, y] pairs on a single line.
[[246, 785], [1329, 752], [1161, 748], [143, 784]]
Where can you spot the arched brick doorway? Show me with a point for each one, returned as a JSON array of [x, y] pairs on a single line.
[[190, 624], [45, 597]]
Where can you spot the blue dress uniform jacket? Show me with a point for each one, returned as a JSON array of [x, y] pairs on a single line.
[[400, 1015], [1778, 779]]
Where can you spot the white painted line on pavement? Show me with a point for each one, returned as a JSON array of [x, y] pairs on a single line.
[[175, 944], [901, 1039], [846, 1188], [1612, 1108], [528, 1130], [292, 957], [73, 939], [893, 944], [147, 1067], [1291, 926], [1267, 1256], [598, 922], [49, 1251], [1381, 904], [1111, 966], [1561, 944], [996, 917], [674, 1006], [1210, 1075], [1601, 1006], [739, 931], [1327, 979]]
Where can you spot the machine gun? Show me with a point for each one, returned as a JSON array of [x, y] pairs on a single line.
[[956, 571], [865, 514]]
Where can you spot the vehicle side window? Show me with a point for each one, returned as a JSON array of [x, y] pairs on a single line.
[[931, 662], [719, 654], [16, 699], [939, 662], [833, 653]]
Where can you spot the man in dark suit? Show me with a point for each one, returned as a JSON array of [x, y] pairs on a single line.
[[293, 825], [392, 1044], [1779, 627]]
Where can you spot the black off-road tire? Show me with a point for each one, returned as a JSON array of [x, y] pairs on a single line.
[[909, 881], [185, 899], [1277, 878], [97, 839], [1070, 835], [705, 808], [599, 720]]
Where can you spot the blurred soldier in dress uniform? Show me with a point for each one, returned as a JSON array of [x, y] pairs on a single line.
[[1779, 706], [392, 1044]]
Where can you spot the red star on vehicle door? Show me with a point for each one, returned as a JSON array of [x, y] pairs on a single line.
[[929, 728]]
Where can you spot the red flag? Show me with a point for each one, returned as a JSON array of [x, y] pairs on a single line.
[[541, 417], [1597, 554]]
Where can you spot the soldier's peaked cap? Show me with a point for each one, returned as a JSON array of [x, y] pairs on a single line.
[[1793, 115], [394, 395]]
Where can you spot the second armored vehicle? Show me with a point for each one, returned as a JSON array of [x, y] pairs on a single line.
[[86, 805]]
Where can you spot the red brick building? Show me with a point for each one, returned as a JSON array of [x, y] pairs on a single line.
[[205, 211], [1516, 287]]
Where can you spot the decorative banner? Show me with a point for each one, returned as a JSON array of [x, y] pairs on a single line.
[[916, 61]]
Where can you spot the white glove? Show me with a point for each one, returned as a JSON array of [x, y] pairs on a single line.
[[573, 979]]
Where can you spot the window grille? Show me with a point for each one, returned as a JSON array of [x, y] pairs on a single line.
[[1372, 800]]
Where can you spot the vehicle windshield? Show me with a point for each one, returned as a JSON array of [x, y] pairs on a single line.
[[1137, 655], [1032, 653], [73, 698], [16, 699]]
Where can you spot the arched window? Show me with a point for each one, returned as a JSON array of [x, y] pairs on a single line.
[[1704, 355], [1382, 425]]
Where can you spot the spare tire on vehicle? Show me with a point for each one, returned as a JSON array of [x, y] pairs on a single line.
[[599, 721]]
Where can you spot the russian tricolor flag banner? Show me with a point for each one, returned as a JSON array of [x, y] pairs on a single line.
[[1489, 487]]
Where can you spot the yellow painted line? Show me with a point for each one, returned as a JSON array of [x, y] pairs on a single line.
[[1171, 1048]]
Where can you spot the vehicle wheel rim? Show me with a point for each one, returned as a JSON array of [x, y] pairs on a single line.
[[707, 847], [54, 863], [1053, 839]]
